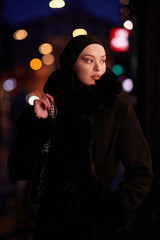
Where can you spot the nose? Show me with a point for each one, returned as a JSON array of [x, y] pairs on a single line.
[[96, 66]]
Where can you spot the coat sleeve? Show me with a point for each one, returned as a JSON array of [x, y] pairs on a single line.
[[32, 132]]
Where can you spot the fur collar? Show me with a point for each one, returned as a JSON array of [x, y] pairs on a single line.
[[92, 98]]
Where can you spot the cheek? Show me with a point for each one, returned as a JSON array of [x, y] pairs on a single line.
[[82, 73], [82, 76], [104, 69]]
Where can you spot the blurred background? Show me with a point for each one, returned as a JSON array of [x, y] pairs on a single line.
[[32, 36]]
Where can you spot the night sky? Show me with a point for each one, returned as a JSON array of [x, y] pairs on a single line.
[[20, 11]]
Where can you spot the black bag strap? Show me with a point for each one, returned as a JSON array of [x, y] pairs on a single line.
[[39, 178]]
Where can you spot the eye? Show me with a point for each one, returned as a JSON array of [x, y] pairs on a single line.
[[103, 61], [88, 60]]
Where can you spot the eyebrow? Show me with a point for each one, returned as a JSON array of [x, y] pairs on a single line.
[[91, 55]]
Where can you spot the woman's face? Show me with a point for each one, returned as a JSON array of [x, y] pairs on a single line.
[[90, 64]]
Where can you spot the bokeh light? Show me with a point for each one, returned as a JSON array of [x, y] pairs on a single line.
[[128, 25], [9, 84], [57, 4], [125, 11], [117, 69], [20, 34], [79, 31], [119, 39], [45, 48], [124, 2], [48, 59], [35, 64], [127, 85]]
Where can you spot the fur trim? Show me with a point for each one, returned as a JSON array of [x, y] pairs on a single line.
[[101, 94]]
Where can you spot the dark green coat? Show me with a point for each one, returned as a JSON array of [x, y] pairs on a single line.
[[93, 134]]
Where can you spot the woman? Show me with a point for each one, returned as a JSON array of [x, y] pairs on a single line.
[[94, 130]]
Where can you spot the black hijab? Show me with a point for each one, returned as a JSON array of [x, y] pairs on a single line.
[[73, 49]]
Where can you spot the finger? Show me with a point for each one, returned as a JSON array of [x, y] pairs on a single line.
[[48, 103], [50, 97], [35, 101], [43, 103]]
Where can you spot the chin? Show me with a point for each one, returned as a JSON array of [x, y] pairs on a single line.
[[93, 83]]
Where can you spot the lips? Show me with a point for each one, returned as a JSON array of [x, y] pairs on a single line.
[[96, 76]]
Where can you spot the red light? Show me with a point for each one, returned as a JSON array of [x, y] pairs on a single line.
[[119, 39]]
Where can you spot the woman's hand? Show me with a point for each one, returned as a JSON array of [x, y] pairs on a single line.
[[43, 105]]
